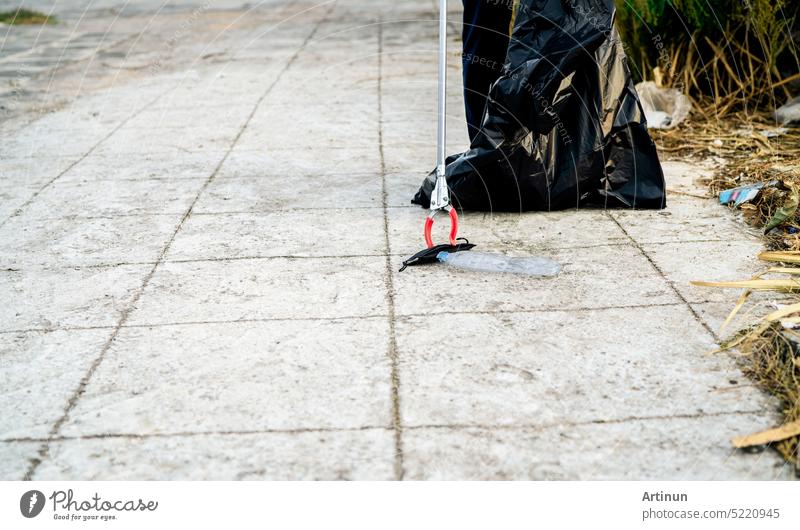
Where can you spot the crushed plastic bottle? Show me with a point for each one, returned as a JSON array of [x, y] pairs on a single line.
[[486, 262]]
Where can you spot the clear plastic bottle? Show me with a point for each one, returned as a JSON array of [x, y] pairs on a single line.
[[487, 262]]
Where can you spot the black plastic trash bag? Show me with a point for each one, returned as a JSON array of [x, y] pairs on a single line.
[[563, 126]]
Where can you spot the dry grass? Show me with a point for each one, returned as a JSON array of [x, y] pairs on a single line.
[[747, 66], [750, 147], [775, 365], [772, 347], [733, 79]]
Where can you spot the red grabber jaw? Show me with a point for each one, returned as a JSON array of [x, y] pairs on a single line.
[[440, 201], [440, 197]]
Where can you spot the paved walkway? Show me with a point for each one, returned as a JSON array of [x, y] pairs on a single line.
[[199, 245]]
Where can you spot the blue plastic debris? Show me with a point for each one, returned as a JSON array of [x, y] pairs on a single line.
[[741, 194]]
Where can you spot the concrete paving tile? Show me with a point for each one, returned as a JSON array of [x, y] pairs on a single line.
[[757, 306], [239, 377], [30, 64], [684, 219], [284, 38], [418, 129], [317, 74], [414, 69], [88, 128], [290, 163], [156, 140], [669, 449], [401, 188], [27, 241], [50, 299], [263, 288], [14, 458], [12, 124], [324, 70], [357, 111], [712, 261], [13, 197], [715, 313], [143, 166], [419, 158], [355, 105], [402, 160], [514, 233], [100, 113], [344, 455], [551, 367], [116, 197], [279, 111], [233, 108], [29, 171], [417, 62], [195, 116], [415, 113], [289, 132], [411, 64], [320, 84], [589, 278], [686, 177], [258, 195], [167, 145], [40, 372], [32, 143], [304, 233], [203, 103]]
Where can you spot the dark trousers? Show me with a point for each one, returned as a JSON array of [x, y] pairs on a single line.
[[485, 37]]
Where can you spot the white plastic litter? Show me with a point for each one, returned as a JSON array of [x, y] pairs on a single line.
[[487, 262], [772, 133], [789, 114], [664, 108]]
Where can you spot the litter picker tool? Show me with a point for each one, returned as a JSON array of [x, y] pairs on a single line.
[[440, 198], [451, 252]]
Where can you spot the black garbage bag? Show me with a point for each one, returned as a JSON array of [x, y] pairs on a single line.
[[563, 126]]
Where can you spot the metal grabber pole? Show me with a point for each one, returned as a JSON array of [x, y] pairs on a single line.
[[441, 131], [440, 197]]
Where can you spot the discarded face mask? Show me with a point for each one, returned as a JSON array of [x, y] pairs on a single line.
[[454, 255], [430, 255]]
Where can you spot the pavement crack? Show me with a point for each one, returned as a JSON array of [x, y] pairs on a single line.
[[397, 423], [402, 317], [569, 424], [181, 434], [663, 276]]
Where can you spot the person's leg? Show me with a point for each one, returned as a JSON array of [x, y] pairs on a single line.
[[485, 37]]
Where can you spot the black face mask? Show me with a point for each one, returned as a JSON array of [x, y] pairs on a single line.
[[429, 254]]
